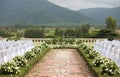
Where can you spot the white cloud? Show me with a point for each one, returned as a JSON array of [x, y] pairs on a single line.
[[81, 4]]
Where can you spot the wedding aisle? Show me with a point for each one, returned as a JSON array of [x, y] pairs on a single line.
[[61, 63]]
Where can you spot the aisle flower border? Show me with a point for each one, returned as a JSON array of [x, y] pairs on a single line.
[[20, 65], [100, 65]]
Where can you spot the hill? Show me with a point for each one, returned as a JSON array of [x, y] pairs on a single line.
[[38, 12], [100, 14]]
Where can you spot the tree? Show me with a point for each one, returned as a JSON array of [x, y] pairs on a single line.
[[19, 34], [111, 23], [85, 28], [34, 33], [70, 33], [82, 31], [107, 33], [59, 32], [5, 33]]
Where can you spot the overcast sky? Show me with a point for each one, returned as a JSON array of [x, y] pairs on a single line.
[[82, 4]]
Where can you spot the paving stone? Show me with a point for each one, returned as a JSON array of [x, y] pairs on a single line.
[[61, 63]]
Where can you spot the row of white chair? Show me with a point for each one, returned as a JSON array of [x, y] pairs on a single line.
[[11, 49], [109, 49]]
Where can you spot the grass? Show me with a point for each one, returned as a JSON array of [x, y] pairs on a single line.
[[49, 33], [24, 70], [95, 70]]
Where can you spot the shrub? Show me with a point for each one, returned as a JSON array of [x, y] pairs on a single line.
[[33, 33], [9, 68], [30, 55], [36, 50], [78, 41], [43, 46], [88, 50], [93, 54], [20, 61], [98, 61], [84, 47], [109, 68], [48, 42], [81, 45]]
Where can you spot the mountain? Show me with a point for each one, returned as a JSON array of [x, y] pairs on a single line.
[[38, 12], [100, 14]]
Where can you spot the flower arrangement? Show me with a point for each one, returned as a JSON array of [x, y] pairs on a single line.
[[109, 68], [9, 68], [93, 54], [99, 60], [105, 65], [29, 55], [36, 50], [13, 67], [20, 61]]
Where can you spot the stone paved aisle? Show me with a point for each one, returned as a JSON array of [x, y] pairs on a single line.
[[61, 63]]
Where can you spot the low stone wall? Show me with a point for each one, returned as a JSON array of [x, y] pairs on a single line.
[[88, 41]]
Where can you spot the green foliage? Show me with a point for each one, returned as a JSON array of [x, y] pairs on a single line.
[[82, 31], [34, 33], [70, 33], [71, 40], [111, 23], [59, 32], [5, 33], [109, 68], [19, 34], [43, 46], [107, 33], [30, 55], [99, 60], [85, 47], [103, 65], [13, 38], [9, 68], [20, 61], [36, 50], [19, 66], [85, 28], [78, 42], [93, 54], [48, 41], [87, 50]]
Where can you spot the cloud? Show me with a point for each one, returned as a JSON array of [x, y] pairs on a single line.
[[81, 4]]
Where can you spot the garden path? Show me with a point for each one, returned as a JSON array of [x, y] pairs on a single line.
[[61, 63]]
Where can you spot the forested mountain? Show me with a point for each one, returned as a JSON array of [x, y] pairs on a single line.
[[100, 14], [38, 12]]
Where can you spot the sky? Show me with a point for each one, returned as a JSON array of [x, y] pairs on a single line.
[[83, 4]]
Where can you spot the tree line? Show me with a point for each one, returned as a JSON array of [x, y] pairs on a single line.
[[83, 31], [73, 32], [34, 33]]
